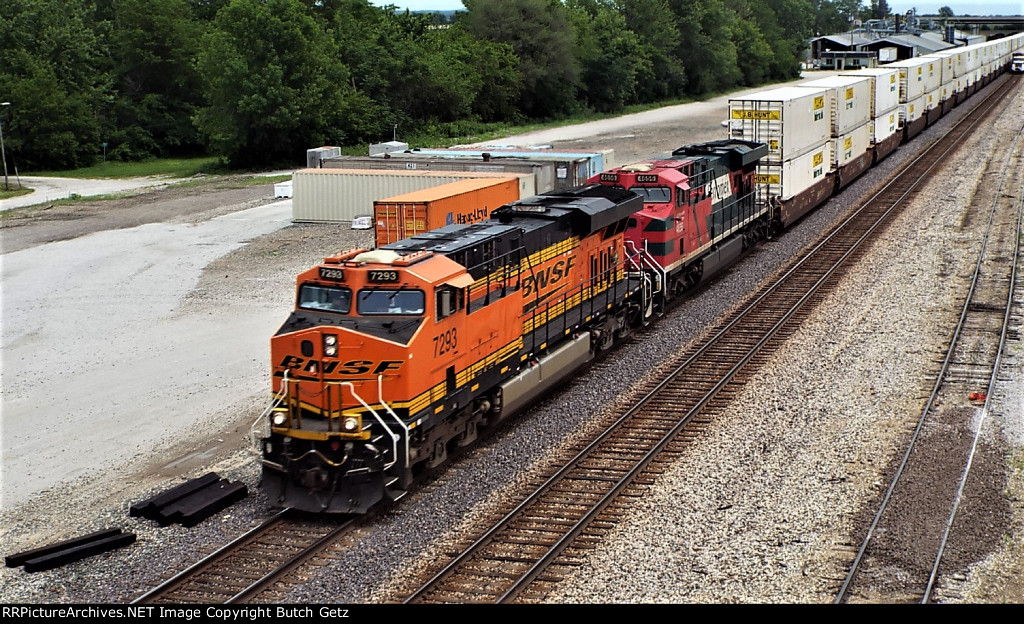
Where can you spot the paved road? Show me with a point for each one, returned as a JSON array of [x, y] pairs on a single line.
[[50, 189], [100, 362]]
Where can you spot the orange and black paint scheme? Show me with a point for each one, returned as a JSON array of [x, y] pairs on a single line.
[[393, 357]]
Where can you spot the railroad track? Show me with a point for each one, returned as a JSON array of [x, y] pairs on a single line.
[[253, 563], [530, 548], [921, 513]]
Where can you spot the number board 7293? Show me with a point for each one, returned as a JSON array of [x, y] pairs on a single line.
[[382, 277]]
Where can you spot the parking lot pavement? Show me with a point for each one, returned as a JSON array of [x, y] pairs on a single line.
[[51, 189]]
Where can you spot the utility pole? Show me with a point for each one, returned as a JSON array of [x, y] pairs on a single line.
[[3, 150]]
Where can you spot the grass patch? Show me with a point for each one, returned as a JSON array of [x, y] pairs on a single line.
[[170, 167], [14, 192]]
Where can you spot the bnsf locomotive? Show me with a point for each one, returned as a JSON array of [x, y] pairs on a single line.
[[393, 357]]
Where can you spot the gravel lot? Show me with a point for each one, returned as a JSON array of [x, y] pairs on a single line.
[[764, 510]]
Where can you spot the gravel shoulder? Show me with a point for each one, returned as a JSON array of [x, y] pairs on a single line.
[[777, 488]]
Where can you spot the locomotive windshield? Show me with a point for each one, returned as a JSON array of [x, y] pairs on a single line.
[[329, 298], [653, 194], [374, 301]]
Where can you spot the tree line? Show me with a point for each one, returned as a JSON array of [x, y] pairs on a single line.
[[258, 82]]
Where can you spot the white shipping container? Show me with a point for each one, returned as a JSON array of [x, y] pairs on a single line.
[[957, 60], [791, 120], [328, 195], [945, 65], [851, 101], [851, 145], [972, 59], [283, 189], [933, 99], [548, 174], [792, 177], [912, 111], [885, 87], [884, 126], [917, 77]]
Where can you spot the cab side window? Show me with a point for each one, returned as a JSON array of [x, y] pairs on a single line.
[[448, 300]]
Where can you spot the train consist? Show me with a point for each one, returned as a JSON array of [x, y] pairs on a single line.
[[396, 356]]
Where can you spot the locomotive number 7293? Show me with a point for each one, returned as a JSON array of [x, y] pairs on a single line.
[[445, 342]]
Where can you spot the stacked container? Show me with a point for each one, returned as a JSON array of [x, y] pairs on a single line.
[[796, 124], [547, 173], [328, 195], [918, 78], [596, 161], [954, 80], [852, 100], [885, 101], [455, 203]]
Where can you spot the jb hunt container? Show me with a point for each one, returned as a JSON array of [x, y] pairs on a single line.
[[791, 120]]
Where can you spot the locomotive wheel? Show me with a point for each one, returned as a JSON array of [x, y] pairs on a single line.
[[625, 326], [694, 272]]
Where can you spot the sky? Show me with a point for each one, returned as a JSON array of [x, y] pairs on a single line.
[[960, 7], [924, 7], [974, 7], [422, 5]]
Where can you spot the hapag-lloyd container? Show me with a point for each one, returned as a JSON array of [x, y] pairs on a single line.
[[791, 120], [455, 203], [885, 87], [851, 101]]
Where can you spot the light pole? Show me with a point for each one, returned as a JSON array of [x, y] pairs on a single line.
[[3, 151]]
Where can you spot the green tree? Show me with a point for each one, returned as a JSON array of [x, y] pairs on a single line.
[[837, 16], [153, 46], [707, 45], [479, 74], [52, 72], [755, 56], [541, 37], [945, 11], [274, 85], [791, 28], [657, 29], [609, 54]]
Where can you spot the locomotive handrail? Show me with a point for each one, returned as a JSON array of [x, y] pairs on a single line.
[[380, 398], [262, 418], [647, 260], [392, 434]]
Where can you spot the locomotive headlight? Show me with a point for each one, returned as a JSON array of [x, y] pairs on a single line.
[[330, 345], [350, 424], [280, 418]]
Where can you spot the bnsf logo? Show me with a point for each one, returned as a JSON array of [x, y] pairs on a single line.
[[352, 367], [548, 277]]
